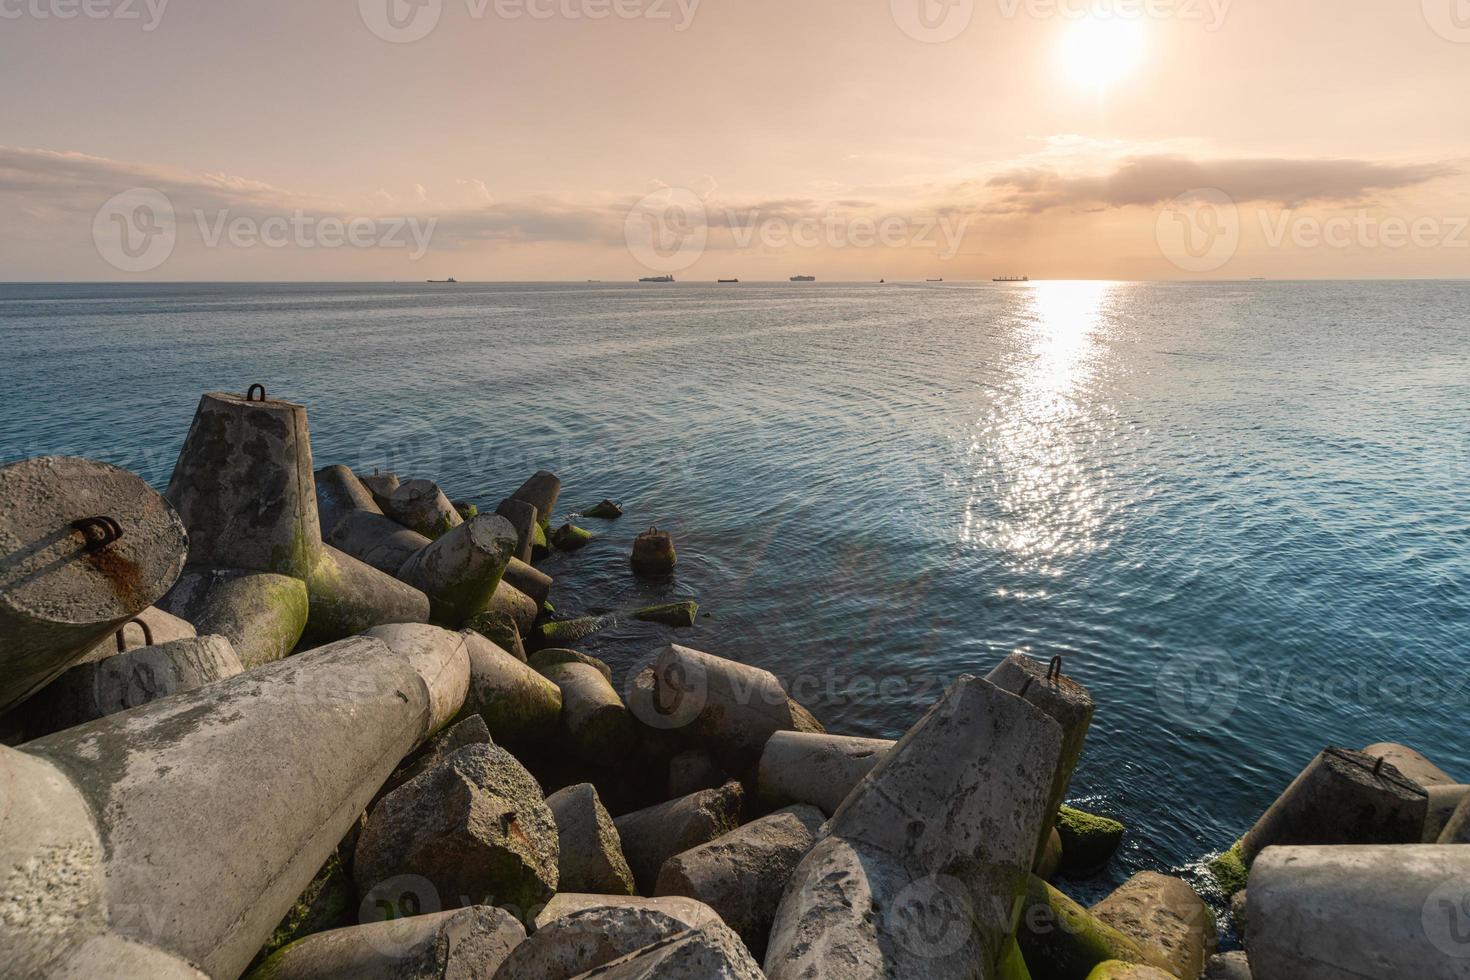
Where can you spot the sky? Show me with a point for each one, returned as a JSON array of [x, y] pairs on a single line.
[[846, 139]]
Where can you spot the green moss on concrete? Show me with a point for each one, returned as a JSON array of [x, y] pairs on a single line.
[[544, 660], [570, 537], [1118, 970], [1230, 870], [547, 609], [1088, 840], [467, 511], [565, 632], [670, 613], [326, 904], [1061, 940], [1012, 963]]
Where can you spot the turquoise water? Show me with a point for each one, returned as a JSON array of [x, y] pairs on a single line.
[[1238, 511]]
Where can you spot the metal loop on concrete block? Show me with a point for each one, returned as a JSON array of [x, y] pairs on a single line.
[[1054, 672], [99, 531], [122, 643], [250, 394]]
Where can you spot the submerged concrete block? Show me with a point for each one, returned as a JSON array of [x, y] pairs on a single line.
[[1376, 912], [379, 541], [245, 486], [461, 943], [653, 553], [521, 707], [808, 767], [460, 571], [570, 537], [742, 874], [262, 614], [151, 805], [84, 548], [653, 835], [1088, 840], [591, 851], [596, 724], [1166, 914], [423, 507], [583, 940], [338, 493], [347, 597], [540, 491]]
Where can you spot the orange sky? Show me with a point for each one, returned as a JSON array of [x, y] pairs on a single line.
[[849, 139]]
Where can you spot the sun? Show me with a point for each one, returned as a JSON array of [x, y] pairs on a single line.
[[1097, 53]]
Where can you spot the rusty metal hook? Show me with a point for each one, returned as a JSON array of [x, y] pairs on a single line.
[[122, 644], [1054, 671], [1378, 766], [250, 394], [99, 531]]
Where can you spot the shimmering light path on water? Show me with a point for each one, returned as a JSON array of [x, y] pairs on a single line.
[[1237, 510]]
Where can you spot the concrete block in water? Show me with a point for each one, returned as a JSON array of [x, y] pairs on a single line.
[[460, 571], [423, 507], [540, 491], [686, 910], [151, 626], [570, 537], [1065, 700], [380, 485], [1375, 912], [379, 541], [245, 486], [347, 597], [591, 857], [1228, 966], [594, 721], [100, 688], [653, 553], [475, 827], [676, 614], [145, 811], [653, 835], [742, 874], [586, 939], [523, 517], [1342, 797], [1061, 940], [712, 952], [732, 708], [809, 767], [1163, 913], [521, 707], [534, 583], [262, 614], [84, 548], [467, 942], [1410, 763], [563, 632], [1088, 840], [338, 493], [511, 601], [607, 510]]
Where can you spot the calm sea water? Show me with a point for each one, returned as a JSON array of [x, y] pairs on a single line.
[[1237, 511]]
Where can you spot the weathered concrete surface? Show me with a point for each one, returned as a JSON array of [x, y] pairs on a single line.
[[512, 602], [469, 731], [161, 626], [531, 581], [347, 597], [595, 723], [521, 707], [422, 506], [1088, 840], [540, 491], [58, 599], [564, 632], [679, 615], [570, 537], [500, 629], [962, 798], [591, 851], [542, 660], [742, 874], [462, 943], [1166, 914], [380, 485], [1342, 797], [1375, 912], [712, 952], [586, 939], [523, 517], [475, 827], [1061, 940], [424, 646], [1050, 861], [1065, 700], [653, 553], [686, 910], [151, 806], [693, 770], [459, 571], [731, 708], [1118, 970], [808, 767], [100, 688], [245, 487], [1457, 827], [653, 835], [1228, 966], [262, 614], [1440, 809], [1410, 763], [377, 540], [338, 493]]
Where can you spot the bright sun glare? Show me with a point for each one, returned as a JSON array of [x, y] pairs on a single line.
[[1097, 52]]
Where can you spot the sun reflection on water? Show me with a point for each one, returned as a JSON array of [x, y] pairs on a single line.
[[1037, 469]]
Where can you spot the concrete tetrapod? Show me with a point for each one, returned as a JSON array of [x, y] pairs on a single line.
[[347, 597], [1376, 912], [949, 820], [586, 939], [422, 506], [151, 805], [380, 485], [1410, 763], [532, 582], [149, 627], [1061, 940], [711, 952], [522, 516], [686, 910], [806, 767], [262, 614], [460, 571], [1166, 914], [1228, 966], [338, 493], [594, 721], [461, 943], [520, 706], [540, 491], [654, 834], [86, 547], [380, 541], [591, 857], [245, 487], [511, 602]]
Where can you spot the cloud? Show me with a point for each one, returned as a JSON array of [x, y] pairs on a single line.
[[1143, 181]]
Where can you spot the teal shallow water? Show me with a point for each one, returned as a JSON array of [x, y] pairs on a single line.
[[1238, 511]]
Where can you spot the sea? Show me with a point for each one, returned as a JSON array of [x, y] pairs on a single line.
[[1239, 512]]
